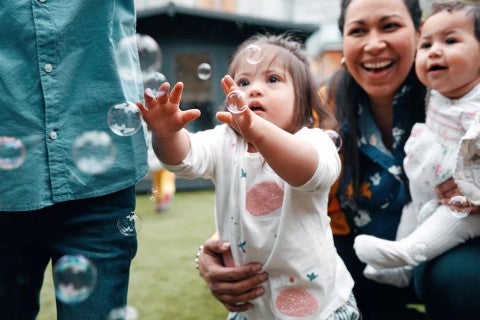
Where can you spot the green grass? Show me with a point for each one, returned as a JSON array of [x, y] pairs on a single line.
[[164, 283]]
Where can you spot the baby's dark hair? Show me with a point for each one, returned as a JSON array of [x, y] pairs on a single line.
[[472, 10], [295, 59]]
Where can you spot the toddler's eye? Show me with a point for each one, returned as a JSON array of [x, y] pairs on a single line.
[[273, 79], [242, 83]]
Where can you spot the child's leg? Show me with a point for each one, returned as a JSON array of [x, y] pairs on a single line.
[[163, 188], [399, 277], [440, 232]]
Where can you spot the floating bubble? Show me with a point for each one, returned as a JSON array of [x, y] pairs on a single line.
[[336, 138], [130, 224], [124, 313], [419, 252], [459, 205], [237, 101], [204, 71], [75, 278], [93, 152], [253, 54], [12, 153], [127, 63], [153, 82], [154, 194], [149, 53], [124, 119]]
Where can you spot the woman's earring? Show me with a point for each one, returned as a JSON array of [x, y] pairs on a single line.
[[342, 63]]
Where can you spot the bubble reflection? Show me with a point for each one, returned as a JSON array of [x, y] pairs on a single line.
[[129, 225], [12, 153], [75, 278]]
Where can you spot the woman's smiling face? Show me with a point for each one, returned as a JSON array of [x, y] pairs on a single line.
[[379, 41]]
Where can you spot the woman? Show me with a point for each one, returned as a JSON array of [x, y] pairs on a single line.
[[378, 99]]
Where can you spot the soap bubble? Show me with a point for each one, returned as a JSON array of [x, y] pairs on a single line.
[[124, 119], [130, 224], [204, 71], [253, 54], [12, 153], [237, 101], [336, 138], [124, 313], [419, 252], [459, 205], [75, 278], [93, 152], [149, 54], [153, 82]]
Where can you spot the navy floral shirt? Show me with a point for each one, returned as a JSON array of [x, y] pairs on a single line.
[[377, 208]]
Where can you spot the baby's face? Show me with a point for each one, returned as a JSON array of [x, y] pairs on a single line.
[[448, 54]]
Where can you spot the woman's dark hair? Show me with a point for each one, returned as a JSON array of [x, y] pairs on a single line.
[[472, 10], [347, 95], [412, 5], [292, 54]]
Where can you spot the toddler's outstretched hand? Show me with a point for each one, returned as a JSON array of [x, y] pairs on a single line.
[[163, 114]]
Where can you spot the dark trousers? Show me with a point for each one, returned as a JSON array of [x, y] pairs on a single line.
[[88, 227], [449, 285], [375, 300]]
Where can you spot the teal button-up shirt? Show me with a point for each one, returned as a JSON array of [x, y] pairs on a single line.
[[59, 76]]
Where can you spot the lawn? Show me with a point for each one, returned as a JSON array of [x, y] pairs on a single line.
[[164, 283]]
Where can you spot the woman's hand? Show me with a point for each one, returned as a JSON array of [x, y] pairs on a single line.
[[232, 286], [448, 189]]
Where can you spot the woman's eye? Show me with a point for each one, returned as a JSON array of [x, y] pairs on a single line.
[[391, 26], [357, 32]]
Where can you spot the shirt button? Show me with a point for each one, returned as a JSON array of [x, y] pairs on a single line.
[[53, 135], [48, 67], [42, 1]]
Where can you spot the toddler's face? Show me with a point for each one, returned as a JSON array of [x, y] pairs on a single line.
[[448, 54], [269, 89]]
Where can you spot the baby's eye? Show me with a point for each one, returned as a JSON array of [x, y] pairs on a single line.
[[273, 79], [242, 83], [425, 45], [450, 41]]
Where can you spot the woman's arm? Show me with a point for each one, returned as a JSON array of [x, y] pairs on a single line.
[[446, 190], [232, 286]]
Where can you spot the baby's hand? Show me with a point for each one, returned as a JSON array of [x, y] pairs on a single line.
[[163, 114]]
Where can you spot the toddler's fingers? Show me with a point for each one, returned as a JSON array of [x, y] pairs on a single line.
[[176, 93], [162, 93]]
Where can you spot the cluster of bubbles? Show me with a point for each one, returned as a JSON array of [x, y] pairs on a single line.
[[236, 100]]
